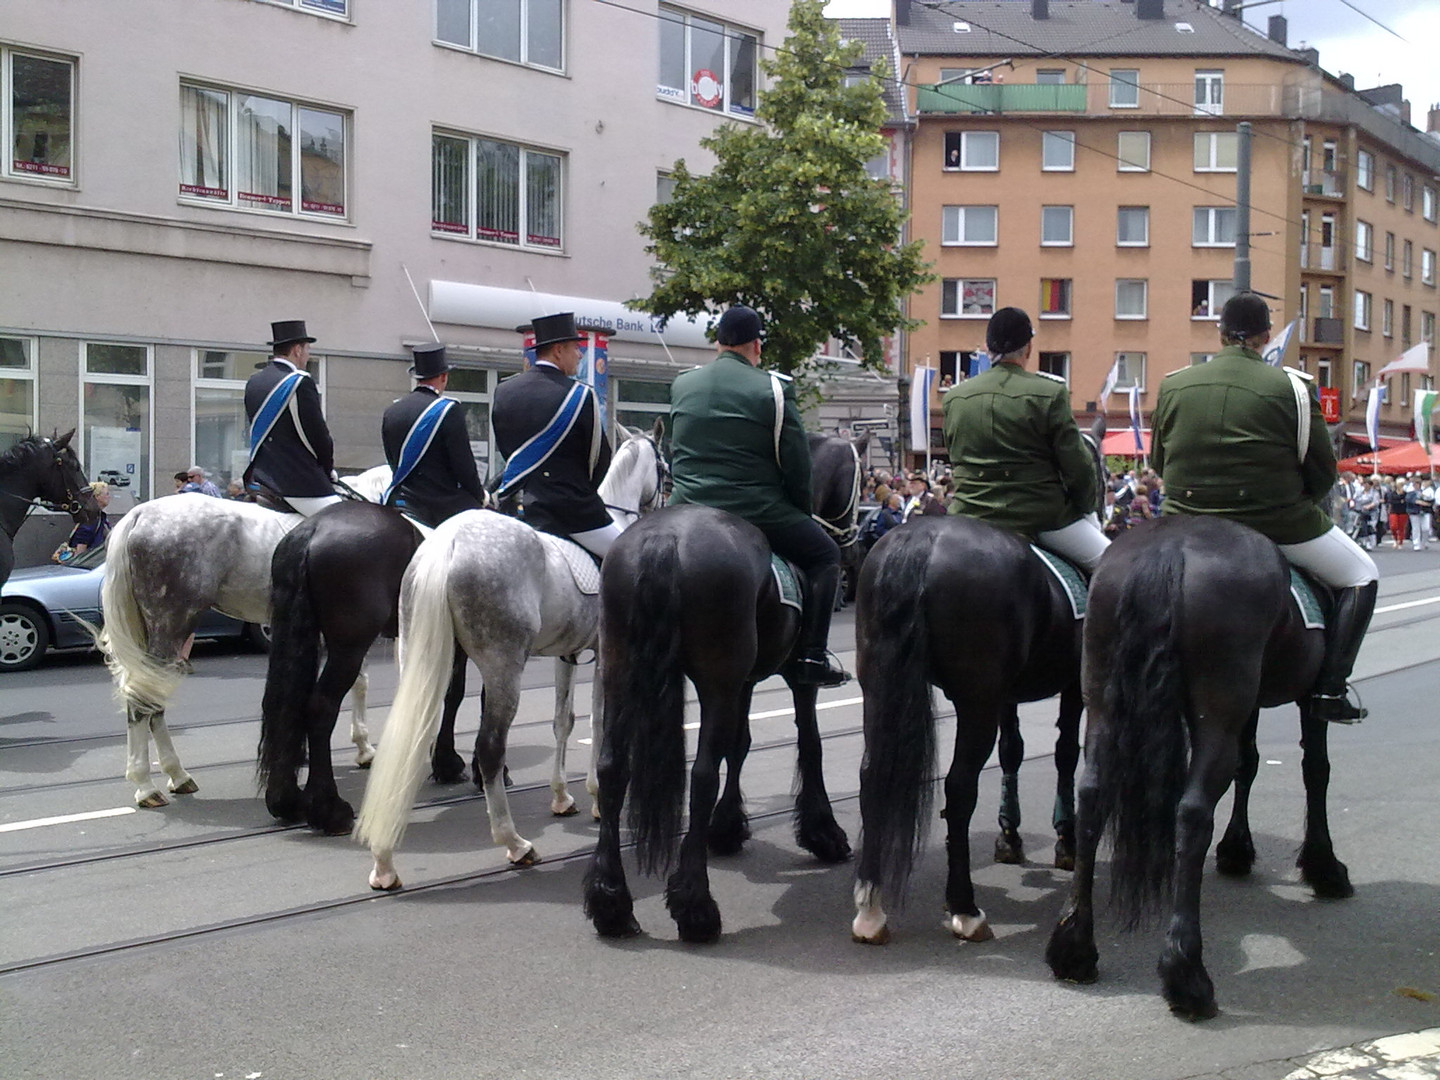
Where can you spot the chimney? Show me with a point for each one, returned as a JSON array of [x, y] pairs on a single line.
[[1279, 29], [902, 12], [1150, 9], [1310, 55], [1405, 112], [1433, 122], [1347, 81], [1040, 9], [1232, 8]]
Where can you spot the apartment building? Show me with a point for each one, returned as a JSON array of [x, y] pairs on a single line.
[[1079, 160], [183, 172]]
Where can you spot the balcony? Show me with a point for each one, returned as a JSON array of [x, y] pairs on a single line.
[[999, 99], [1328, 184], [1327, 259], [1153, 99], [1328, 332]]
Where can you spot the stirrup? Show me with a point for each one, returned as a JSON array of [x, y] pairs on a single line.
[[1336, 708], [816, 671]]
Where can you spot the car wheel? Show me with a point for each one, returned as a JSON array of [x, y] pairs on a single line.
[[24, 637], [257, 636]]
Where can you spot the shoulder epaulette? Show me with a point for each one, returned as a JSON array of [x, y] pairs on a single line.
[[1296, 371], [1175, 372], [781, 375], [1051, 375]]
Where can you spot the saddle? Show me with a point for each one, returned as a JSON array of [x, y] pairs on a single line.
[[1072, 579], [584, 567], [1313, 599], [789, 581]]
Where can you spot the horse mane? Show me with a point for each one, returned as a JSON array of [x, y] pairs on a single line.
[[22, 453]]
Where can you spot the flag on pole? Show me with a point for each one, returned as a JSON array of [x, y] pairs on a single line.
[[979, 361], [1274, 353], [1372, 416], [921, 383], [1110, 381], [1425, 402], [1135, 418], [1414, 359]]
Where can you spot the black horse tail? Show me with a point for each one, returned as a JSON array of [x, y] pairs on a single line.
[[647, 709], [1142, 750], [294, 660], [896, 774]]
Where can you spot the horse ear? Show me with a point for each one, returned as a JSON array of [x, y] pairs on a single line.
[[1098, 429], [862, 442], [62, 441], [657, 431]]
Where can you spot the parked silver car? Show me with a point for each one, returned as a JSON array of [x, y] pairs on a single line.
[[41, 608]]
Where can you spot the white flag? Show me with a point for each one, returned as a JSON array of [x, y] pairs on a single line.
[[1274, 353], [1372, 416], [1425, 402], [1110, 381], [921, 383]]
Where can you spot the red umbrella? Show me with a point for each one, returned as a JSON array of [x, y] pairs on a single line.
[[1407, 457], [1122, 443]]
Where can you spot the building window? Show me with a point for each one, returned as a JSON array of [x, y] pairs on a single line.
[[1427, 202], [37, 115], [471, 388], [1364, 241], [1132, 226], [1365, 170], [1057, 151], [496, 191], [1198, 358], [1407, 193], [1326, 303], [1427, 327], [1360, 376], [523, 31], [17, 390], [962, 298], [115, 414], [972, 225], [1133, 151], [338, 8], [259, 153], [1124, 88], [1323, 376], [1055, 298], [972, 151], [1131, 298], [1304, 313], [1427, 266], [1405, 324], [1057, 226], [1209, 93], [1057, 364], [1130, 369], [1407, 259], [664, 187], [1207, 297], [1050, 77], [1390, 178], [1390, 252], [1216, 151], [1362, 310], [1387, 318], [706, 63], [1213, 226], [221, 434]]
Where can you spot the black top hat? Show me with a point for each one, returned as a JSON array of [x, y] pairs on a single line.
[[738, 326], [1008, 331], [288, 333], [553, 329], [429, 361]]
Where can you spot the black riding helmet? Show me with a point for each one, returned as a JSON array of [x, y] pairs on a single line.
[[1245, 315]]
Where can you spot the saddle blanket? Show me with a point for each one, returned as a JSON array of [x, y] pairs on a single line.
[[583, 567], [1306, 599], [786, 582], [1072, 581]]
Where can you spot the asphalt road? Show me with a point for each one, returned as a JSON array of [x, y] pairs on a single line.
[[201, 941]]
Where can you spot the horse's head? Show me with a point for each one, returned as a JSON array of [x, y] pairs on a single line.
[[639, 477], [48, 472]]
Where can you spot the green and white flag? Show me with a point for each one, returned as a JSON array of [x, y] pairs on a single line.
[[1425, 402]]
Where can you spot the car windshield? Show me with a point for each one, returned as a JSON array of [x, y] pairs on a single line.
[[89, 559]]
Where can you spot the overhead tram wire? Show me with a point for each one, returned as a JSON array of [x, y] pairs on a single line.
[[1376, 21]]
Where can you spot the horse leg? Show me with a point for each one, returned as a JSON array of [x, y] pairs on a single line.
[[1183, 978], [597, 711], [1071, 951], [561, 803], [137, 758], [499, 703], [1235, 854], [687, 892], [181, 782], [608, 902], [359, 732], [816, 829], [1009, 847], [325, 810], [730, 825], [975, 731], [1067, 760], [1319, 868], [446, 764]]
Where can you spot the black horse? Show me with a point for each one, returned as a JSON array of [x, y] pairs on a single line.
[[37, 471], [1191, 631], [689, 592]]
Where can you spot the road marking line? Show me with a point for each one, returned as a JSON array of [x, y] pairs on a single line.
[[1407, 604], [772, 713], [66, 819]]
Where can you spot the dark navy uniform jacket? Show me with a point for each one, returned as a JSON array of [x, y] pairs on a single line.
[[444, 481], [562, 495], [285, 464]]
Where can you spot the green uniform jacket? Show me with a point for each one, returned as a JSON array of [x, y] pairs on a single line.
[[1223, 439], [1015, 452], [722, 424]]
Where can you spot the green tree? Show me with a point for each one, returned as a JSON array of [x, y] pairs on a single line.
[[788, 222]]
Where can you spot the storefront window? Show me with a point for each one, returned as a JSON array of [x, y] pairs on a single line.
[[17, 390], [115, 417]]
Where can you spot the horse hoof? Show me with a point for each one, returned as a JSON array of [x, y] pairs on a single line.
[[385, 882], [564, 808], [863, 931], [529, 857], [595, 811], [970, 927], [1009, 849], [1064, 856], [185, 787], [625, 927], [364, 761], [827, 842], [152, 801]]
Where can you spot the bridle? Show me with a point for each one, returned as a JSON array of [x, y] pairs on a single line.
[[73, 495], [849, 533], [662, 476]]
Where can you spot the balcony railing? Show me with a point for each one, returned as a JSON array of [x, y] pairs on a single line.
[[998, 99], [1329, 332], [1322, 182], [1328, 259], [1153, 99]]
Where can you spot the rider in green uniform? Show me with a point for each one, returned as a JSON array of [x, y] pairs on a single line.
[[1226, 440]]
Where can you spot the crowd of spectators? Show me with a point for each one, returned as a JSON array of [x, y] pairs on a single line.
[[1375, 510]]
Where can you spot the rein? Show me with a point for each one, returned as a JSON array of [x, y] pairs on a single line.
[[657, 499], [847, 535]]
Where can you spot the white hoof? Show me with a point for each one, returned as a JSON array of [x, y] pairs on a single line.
[[150, 800], [869, 928], [595, 811], [563, 806], [525, 855], [384, 880], [970, 927], [364, 755]]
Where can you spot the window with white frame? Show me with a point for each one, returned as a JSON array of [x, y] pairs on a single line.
[[1427, 266], [256, 152], [1427, 202], [1124, 88], [1050, 77], [1360, 378], [664, 187], [17, 390], [1391, 177], [1427, 327], [1363, 301], [338, 8], [1055, 298], [969, 225], [470, 387], [1132, 226], [1055, 363], [1365, 170], [1209, 93], [1390, 251], [523, 31], [1304, 313], [37, 115], [1132, 151], [967, 298], [1329, 155], [1407, 193], [706, 63], [1131, 298], [1057, 151], [1130, 370], [1405, 324], [499, 192], [1208, 297], [1364, 241], [1057, 226], [1216, 151], [1326, 305], [1323, 373], [1213, 226], [1387, 318], [115, 414], [972, 151], [1407, 259]]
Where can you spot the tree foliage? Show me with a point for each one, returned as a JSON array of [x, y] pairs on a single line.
[[789, 222]]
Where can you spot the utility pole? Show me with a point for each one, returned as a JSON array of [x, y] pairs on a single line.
[[1242, 207]]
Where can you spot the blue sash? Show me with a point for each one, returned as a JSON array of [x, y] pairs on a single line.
[[533, 453], [417, 441], [269, 412]]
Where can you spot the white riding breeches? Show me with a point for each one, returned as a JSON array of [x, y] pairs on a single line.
[[1082, 542], [308, 506], [598, 541], [1333, 558]]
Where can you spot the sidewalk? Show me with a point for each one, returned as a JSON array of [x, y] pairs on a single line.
[[1412, 1056]]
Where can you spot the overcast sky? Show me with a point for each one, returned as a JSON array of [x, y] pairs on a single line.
[[1347, 40]]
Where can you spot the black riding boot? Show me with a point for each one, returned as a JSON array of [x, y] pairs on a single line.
[[1343, 635], [811, 666]]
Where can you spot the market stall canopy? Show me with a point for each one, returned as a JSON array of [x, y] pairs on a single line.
[[1409, 457], [1122, 443]]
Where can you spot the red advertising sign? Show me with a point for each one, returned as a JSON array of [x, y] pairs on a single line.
[[1330, 404]]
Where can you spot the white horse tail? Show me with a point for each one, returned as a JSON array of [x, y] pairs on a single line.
[[140, 679], [427, 651]]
